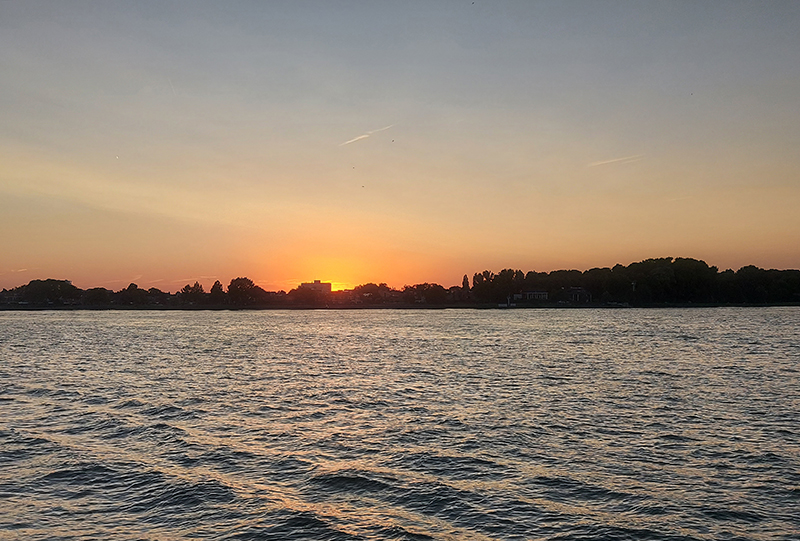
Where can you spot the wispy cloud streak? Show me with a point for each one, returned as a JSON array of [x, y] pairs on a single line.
[[626, 159], [359, 138], [364, 136]]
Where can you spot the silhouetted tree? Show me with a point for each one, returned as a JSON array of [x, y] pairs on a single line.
[[193, 294], [658, 281], [217, 294], [482, 288], [373, 293], [97, 296], [156, 296], [695, 281], [597, 281], [49, 292], [425, 294], [754, 284], [131, 296], [242, 292]]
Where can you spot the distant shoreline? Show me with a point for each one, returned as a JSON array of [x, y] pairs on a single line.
[[655, 283], [405, 307]]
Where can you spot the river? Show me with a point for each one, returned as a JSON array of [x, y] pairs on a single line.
[[568, 424]]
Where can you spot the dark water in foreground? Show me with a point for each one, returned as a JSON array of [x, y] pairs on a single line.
[[527, 424]]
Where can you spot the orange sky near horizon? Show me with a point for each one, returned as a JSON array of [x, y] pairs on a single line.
[[164, 145]]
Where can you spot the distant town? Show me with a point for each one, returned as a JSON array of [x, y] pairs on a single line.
[[653, 282]]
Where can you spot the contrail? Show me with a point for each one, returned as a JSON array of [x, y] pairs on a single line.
[[359, 138], [381, 129], [364, 136], [626, 159]]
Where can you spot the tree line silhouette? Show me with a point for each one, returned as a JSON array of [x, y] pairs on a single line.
[[652, 282]]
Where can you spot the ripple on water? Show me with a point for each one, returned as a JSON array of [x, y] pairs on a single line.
[[370, 425]]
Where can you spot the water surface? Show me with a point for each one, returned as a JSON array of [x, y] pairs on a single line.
[[673, 424]]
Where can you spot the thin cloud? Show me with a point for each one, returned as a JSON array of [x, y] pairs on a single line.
[[114, 282], [626, 159], [381, 129], [364, 136], [16, 271], [359, 138]]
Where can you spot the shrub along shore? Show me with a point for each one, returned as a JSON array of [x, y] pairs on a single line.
[[652, 282]]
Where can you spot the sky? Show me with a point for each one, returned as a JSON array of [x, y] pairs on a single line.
[[164, 143]]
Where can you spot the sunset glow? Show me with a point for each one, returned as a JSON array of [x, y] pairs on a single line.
[[372, 270], [400, 145]]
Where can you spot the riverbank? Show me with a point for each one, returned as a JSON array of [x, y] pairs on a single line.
[[460, 306]]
